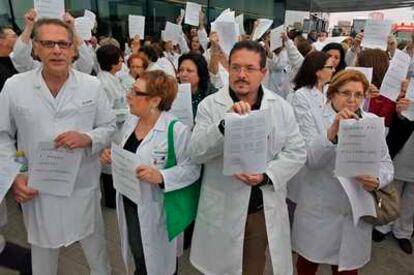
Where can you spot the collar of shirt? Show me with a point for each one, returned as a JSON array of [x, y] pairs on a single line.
[[256, 105]]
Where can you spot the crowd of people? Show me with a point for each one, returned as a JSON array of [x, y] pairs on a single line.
[[85, 95]]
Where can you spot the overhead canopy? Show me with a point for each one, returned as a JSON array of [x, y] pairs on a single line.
[[346, 5]]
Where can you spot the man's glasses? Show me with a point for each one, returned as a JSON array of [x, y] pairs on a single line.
[[51, 44]]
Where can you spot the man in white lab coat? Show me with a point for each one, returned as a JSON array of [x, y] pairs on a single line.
[[239, 216], [58, 104], [22, 51]]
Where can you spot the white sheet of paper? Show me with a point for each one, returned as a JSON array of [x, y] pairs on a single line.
[[83, 28], [367, 71], [124, 164], [8, 171], [172, 32], [227, 32], [263, 26], [192, 13], [245, 143], [396, 73], [359, 147], [376, 34], [54, 171], [182, 106], [275, 39], [362, 202], [49, 8], [225, 16], [91, 16], [136, 26], [240, 20], [410, 95], [335, 39]]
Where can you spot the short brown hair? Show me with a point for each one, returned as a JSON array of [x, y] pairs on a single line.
[[345, 76], [51, 21], [378, 60], [138, 55], [160, 84]]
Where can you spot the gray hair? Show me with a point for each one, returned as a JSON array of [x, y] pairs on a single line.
[[51, 21]]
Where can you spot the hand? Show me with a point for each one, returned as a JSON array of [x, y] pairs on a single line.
[[358, 40], [72, 140], [403, 88], [250, 179], [149, 174], [373, 91], [368, 183], [344, 114], [29, 19], [241, 108], [106, 157], [402, 105], [68, 19], [21, 192]]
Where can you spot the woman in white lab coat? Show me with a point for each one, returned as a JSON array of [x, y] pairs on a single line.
[[315, 72], [143, 227], [323, 228]]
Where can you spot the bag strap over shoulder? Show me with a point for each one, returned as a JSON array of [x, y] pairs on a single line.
[[171, 158]]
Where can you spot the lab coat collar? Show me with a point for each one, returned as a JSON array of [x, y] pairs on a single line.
[[71, 81]]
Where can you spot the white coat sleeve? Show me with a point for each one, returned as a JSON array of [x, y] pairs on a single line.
[[319, 149], [287, 163], [85, 61], [22, 56], [203, 37], [104, 125], [186, 172], [7, 126], [206, 141], [295, 58], [350, 57]]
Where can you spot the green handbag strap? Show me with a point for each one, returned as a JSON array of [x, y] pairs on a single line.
[[171, 159]]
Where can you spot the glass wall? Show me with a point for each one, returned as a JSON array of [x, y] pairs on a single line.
[[112, 15]]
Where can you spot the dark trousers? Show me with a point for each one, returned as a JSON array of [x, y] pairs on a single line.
[[17, 258], [135, 237], [109, 191], [305, 267]]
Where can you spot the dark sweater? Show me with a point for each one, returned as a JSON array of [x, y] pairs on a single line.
[[6, 70]]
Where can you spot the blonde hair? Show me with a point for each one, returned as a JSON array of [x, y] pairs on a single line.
[[345, 76]]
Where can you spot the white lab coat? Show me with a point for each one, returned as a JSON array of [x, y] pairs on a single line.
[[28, 107], [282, 69], [303, 101], [160, 254], [323, 228], [221, 78], [217, 246], [23, 61]]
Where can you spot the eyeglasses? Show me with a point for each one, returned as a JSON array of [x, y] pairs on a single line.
[[247, 69], [349, 95], [134, 92], [51, 44], [329, 67]]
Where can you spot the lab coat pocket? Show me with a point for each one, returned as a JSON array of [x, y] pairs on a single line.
[[211, 207]]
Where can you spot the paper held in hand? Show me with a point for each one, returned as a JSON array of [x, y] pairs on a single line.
[[275, 38], [245, 142], [136, 26], [182, 106], [396, 73], [54, 171], [192, 14], [376, 34], [262, 27], [410, 95], [124, 164], [359, 147], [49, 8], [367, 71]]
